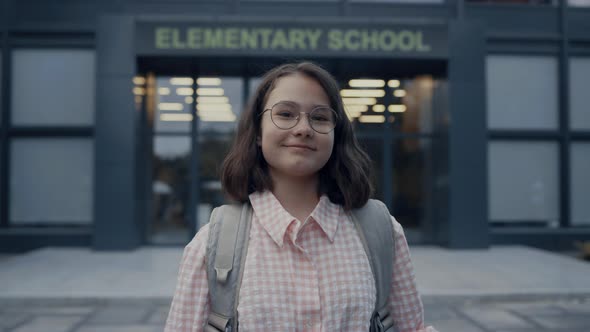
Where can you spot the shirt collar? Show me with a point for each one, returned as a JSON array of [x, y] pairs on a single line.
[[276, 220]]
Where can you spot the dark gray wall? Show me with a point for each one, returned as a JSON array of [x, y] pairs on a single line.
[[467, 225], [115, 200]]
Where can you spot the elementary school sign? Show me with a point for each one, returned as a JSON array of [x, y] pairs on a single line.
[[296, 39]]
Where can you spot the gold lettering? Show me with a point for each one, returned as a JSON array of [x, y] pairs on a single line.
[[280, 40], [265, 34], [419, 45], [335, 40], [314, 37], [348, 40], [163, 37], [248, 39], [387, 40], [370, 40], [194, 38], [231, 38], [177, 43], [297, 38], [213, 38], [406, 41]]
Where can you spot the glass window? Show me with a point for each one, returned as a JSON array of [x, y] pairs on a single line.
[[219, 103], [407, 103], [53, 87], [523, 182], [579, 3], [374, 148], [171, 189], [580, 184], [51, 181], [579, 98], [521, 92], [174, 102], [412, 169]]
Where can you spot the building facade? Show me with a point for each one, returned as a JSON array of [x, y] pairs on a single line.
[[116, 115]]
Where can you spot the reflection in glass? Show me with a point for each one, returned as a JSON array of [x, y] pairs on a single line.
[[406, 103], [170, 189], [523, 182], [374, 149], [212, 151], [580, 184], [218, 112], [412, 168], [172, 112]]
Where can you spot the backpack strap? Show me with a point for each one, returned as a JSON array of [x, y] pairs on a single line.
[[373, 224], [226, 254]]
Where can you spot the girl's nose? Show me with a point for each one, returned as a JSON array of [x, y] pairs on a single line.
[[303, 127]]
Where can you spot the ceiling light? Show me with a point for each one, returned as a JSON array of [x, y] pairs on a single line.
[[181, 81], [362, 93], [372, 119], [361, 83]]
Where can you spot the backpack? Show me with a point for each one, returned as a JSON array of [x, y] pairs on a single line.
[[227, 247]]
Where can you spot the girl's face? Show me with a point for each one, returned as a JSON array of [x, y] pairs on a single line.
[[299, 151]]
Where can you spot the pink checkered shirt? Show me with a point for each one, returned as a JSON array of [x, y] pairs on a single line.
[[300, 276]]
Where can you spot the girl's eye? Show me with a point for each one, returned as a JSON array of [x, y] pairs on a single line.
[[286, 114]]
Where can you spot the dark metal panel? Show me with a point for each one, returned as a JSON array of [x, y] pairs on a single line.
[[515, 20], [115, 119], [21, 239], [550, 239], [115, 203], [468, 224], [5, 63], [564, 120], [525, 46], [425, 13], [579, 24]]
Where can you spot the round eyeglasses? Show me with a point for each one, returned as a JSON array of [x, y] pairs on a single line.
[[286, 115]]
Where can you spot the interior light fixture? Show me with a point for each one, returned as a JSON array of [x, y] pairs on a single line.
[[181, 81], [208, 81], [188, 100], [170, 106], [364, 83], [210, 91], [372, 118], [185, 91], [163, 91], [396, 108], [393, 83], [379, 108], [399, 93], [356, 108], [182, 117], [214, 107], [362, 93], [139, 80], [359, 101], [213, 100], [138, 91]]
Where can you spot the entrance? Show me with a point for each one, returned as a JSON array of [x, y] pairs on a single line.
[[190, 107]]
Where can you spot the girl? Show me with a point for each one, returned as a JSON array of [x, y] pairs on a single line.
[[297, 162]]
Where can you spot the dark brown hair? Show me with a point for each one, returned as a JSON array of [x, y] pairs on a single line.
[[346, 177]]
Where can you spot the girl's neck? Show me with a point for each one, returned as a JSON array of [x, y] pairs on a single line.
[[299, 196]]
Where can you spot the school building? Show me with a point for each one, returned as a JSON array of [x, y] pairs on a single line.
[[116, 114]]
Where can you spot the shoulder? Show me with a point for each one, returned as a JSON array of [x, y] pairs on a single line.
[[198, 245], [397, 227]]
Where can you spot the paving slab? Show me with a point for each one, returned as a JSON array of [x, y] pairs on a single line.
[[151, 272]]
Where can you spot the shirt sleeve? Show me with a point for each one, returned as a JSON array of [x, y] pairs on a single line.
[[405, 304], [190, 305]]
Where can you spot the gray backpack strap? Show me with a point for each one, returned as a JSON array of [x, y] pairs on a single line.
[[373, 224], [227, 247]]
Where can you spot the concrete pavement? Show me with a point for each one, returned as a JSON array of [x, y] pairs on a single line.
[[500, 289]]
